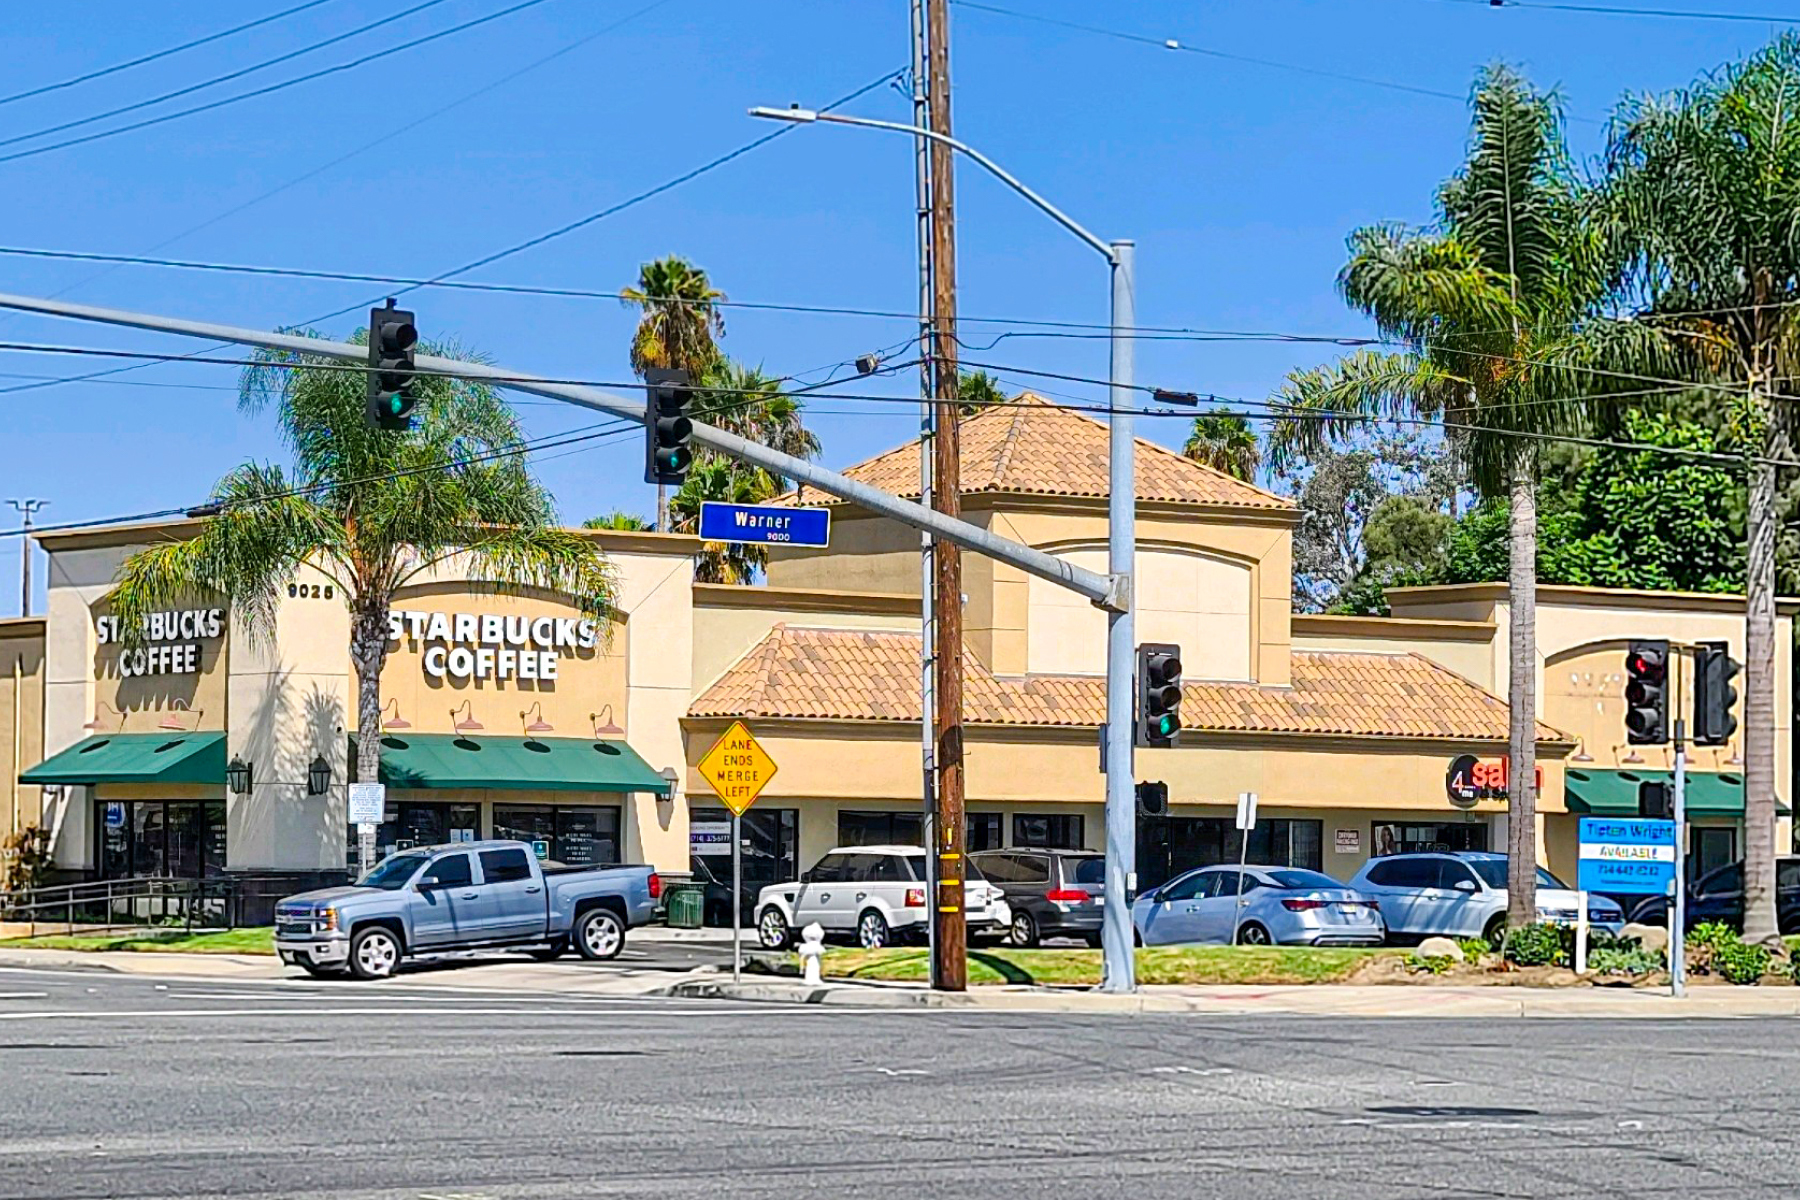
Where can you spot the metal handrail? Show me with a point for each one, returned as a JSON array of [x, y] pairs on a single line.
[[136, 902]]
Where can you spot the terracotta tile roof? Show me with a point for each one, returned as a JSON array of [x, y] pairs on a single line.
[[858, 675], [1037, 447]]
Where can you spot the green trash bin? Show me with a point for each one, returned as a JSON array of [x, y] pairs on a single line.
[[687, 905]]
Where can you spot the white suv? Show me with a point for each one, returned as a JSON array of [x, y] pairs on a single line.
[[877, 893]]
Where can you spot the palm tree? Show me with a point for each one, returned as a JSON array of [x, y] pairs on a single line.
[[1224, 443], [751, 404], [1488, 304], [618, 519], [976, 392], [1704, 187], [374, 511], [681, 321]]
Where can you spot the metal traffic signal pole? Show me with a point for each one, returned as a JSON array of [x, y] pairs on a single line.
[[927, 439], [1678, 904]]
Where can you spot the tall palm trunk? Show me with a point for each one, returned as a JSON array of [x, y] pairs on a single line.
[[368, 653], [1521, 822], [1759, 681]]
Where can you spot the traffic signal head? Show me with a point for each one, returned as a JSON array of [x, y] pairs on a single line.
[[668, 433], [1656, 800], [1714, 697], [1152, 799], [1647, 692], [1158, 694], [392, 394]]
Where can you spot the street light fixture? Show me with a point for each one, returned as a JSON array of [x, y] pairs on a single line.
[[1119, 974]]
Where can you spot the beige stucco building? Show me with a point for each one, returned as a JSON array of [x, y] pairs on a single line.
[[214, 751]]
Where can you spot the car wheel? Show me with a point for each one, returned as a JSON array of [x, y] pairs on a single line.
[[374, 953], [600, 935], [1253, 934], [1024, 930], [549, 953], [772, 930], [872, 930], [1494, 933]]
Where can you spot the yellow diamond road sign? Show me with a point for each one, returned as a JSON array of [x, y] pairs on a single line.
[[738, 768]]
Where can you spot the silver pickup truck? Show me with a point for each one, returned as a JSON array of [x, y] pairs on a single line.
[[464, 896]]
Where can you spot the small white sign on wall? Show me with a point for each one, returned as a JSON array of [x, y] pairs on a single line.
[[366, 803], [1348, 841]]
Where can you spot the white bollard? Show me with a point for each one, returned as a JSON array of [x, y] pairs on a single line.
[[811, 949]]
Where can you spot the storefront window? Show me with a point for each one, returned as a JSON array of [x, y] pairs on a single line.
[[1709, 849], [182, 839], [1059, 831], [1167, 846], [414, 823], [1408, 837], [575, 836], [984, 831], [771, 854], [862, 828]]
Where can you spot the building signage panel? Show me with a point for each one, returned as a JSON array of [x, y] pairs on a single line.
[[765, 524], [709, 838], [171, 644], [492, 645], [367, 803], [1626, 856], [1470, 780], [1348, 841]]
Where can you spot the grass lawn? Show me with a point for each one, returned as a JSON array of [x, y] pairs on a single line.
[[1161, 964], [231, 941]]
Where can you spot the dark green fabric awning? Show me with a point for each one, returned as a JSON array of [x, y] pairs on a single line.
[[442, 760], [136, 758], [1606, 792]]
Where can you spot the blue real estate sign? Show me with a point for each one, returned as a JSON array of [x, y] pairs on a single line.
[[765, 524], [1628, 855]]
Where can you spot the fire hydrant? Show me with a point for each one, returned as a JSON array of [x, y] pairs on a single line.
[[811, 949]]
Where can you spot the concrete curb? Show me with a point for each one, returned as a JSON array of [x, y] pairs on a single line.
[[1320, 1000]]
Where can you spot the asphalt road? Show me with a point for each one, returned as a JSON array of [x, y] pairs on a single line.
[[128, 1087]]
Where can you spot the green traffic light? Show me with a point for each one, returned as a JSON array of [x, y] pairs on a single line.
[[1165, 725], [396, 404]]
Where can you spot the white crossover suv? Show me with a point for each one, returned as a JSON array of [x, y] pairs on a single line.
[[878, 894]]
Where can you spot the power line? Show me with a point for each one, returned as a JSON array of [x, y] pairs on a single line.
[[274, 87], [1614, 10], [160, 54]]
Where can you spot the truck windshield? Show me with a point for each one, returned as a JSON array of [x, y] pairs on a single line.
[[393, 874]]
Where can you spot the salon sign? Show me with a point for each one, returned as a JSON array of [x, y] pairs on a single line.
[[492, 646]]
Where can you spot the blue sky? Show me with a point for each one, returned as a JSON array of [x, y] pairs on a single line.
[[1238, 182]]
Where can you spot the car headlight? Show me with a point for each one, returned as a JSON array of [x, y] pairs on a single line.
[[327, 920]]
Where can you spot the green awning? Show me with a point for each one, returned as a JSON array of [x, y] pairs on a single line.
[[442, 760], [136, 758], [1605, 792]]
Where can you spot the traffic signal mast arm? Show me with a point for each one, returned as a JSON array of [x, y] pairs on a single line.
[[1105, 591]]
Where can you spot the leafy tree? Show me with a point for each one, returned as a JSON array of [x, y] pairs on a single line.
[[1490, 306], [1225, 443], [976, 392], [618, 518], [1703, 187], [373, 510]]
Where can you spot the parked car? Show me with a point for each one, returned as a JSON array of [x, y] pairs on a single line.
[[1285, 906], [469, 895], [878, 894], [1462, 893], [1718, 895], [1052, 893]]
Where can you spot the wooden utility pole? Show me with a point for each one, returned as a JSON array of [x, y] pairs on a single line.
[[950, 942]]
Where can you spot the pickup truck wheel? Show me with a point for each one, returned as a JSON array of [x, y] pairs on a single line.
[[600, 935], [374, 953], [872, 930], [772, 930]]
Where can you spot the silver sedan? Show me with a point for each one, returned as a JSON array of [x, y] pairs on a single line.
[[1284, 906]]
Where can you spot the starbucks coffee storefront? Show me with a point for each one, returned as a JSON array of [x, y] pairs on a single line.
[[204, 751]]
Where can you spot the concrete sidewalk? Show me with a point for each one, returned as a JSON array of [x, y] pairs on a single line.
[[1324, 1000]]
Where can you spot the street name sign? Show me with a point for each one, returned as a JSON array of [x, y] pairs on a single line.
[[738, 768], [765, 524], [1626, 855]]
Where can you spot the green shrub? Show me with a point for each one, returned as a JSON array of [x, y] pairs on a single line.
[[1613, 960], [1714, 935], [1475, 949], [1740, 963], [1429, 964], [1537, 945]]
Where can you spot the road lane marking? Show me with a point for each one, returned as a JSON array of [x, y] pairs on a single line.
[[23, 995]]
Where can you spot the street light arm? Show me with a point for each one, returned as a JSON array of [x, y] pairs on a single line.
[[806, 116]]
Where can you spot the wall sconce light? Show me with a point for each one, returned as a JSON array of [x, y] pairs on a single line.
[[237, 776], [674, 778], [468, 723], [1632, 759], [97, 724], [1736, 759], [171, 721], [608, 730], [539, 725], [396, 721], [1581, 755], [318, 777]]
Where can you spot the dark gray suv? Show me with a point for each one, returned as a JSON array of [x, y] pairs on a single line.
[[1053, 893]]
